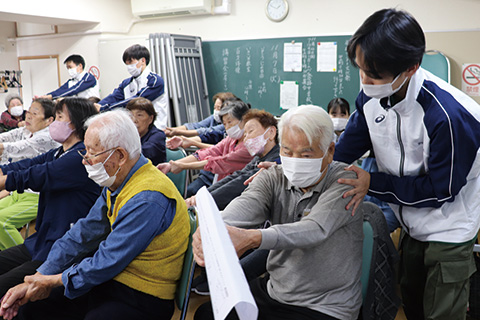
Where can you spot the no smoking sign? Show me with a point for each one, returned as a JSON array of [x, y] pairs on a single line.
[[471, 79]]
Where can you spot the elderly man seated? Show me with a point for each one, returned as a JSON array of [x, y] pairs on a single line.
[[314, 265], [124, 259]]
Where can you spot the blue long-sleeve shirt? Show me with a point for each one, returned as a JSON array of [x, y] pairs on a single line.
[[66, 193], [153, 145], [206, 125], [74, 87], [213, 136], [108, 249]]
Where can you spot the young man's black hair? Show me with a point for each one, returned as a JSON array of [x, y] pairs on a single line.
[[77, 59], [136, 52], [391, 41]]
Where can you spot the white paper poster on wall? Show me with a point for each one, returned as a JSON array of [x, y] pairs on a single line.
[[326, 56], [288, 94], [292, 57], [471, 79]]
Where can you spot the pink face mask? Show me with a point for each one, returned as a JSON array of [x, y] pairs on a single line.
[[256, 145], [60, 131]]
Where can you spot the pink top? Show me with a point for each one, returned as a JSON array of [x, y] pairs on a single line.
[[225, 157]]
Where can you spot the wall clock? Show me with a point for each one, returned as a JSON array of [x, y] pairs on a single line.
[[276, 10]]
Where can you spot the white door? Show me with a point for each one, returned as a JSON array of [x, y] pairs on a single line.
[[40, 75]]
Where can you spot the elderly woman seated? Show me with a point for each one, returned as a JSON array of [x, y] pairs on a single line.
[[208, 137], [209, 124], [153, 139], [261, 141], [66, 192], [226, 157], [14, 116], [34, 138], [16, 209]]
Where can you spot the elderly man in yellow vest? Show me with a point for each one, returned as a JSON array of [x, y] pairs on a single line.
[[124, 259]]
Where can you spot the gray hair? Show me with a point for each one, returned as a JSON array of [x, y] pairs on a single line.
[[12, 96], [312, 120], [116, 129], [235, 108]]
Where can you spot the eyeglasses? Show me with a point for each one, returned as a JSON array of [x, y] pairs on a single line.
[[83, 152]]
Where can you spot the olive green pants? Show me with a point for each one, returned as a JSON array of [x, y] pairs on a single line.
[[434, 278]]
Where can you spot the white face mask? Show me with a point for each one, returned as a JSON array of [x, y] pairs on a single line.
[[16, 111], [133, 70], [235, 132], [380, 91], [216, 116], [73, 72], [339, 123], [99, 175], [302, 172]]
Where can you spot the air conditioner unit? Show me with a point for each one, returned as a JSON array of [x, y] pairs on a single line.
[[169, 8]]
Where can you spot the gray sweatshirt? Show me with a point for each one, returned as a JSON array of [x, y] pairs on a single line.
[[316, 245]]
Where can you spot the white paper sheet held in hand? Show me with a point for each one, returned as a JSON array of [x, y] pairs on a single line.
[[226, 280]]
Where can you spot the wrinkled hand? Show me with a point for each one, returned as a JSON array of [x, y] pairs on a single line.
[[35, 287], [164, 167], [12, 300], [48, 96], [21, 124], [198, 249], [244, 239], [174, 142], [40, 286], [263, 166], [191, 202], [360, 187], [175, 167], [169, 132], [187, 142]]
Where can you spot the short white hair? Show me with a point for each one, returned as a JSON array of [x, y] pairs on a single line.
[[116, 129], [312, 120]]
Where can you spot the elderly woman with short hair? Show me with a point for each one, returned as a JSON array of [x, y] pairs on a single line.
[[14, 116], [17, 209], [153, 139], [222, 159]]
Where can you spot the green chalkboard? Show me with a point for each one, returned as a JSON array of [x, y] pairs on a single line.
[[254, 70]]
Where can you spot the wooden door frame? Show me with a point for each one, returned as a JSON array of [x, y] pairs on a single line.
[[51, 56]]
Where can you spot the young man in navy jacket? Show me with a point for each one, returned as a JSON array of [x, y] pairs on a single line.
[[142, 83], [81, 84], [426, 137]]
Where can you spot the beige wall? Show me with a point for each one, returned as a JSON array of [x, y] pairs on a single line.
[[460, 48], [8, 56]]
